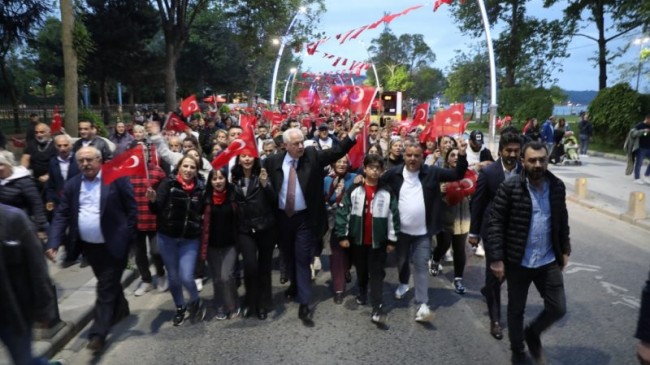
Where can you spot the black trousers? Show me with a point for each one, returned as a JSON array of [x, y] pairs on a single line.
[[142, 258], [549, 281], [444, 240], [221, 262], [257, 254], [297, 244], [370, 263], [492, 293], [110, 301]]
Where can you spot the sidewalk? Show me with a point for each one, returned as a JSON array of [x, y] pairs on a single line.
[[608, 188], [76, 297]]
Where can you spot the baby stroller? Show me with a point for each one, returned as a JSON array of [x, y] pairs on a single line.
[[566, 151]]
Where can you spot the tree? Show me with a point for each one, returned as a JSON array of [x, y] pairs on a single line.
[[48, 54], [626, 18], [521, 37], [176, 18], [18, 20], [614, 111], [468, 77], [427, 83], [254, 32]]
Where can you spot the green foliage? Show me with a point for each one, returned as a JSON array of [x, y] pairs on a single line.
[[468, 77], [614, 111], [87, 114], [523, 103], [427, 83], [399, 80], [224, 109]]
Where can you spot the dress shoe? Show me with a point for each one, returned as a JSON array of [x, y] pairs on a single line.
[[262, 314], [67, 264], [519, 357], [96, 344], [84, 262], [283, 278], [338, 297], [291, 293], [304, 314], [496, 331], [534, 344]]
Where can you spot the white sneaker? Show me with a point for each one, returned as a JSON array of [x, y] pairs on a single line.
[[639, 182], [162, 284], [646, 180], [424, 314], [317, 263], [401, 291], [142, 289], [480, 251], [199, 284]]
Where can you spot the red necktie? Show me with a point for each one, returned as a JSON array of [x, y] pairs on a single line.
[[290, 204]]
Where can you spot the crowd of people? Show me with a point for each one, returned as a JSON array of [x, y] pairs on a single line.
[[301, 194]]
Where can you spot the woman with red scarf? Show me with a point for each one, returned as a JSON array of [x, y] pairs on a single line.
[[178, 205], [218, 242]]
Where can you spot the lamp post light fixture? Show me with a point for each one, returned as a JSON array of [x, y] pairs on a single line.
[[292, 74], [640, 42], [282, 41]]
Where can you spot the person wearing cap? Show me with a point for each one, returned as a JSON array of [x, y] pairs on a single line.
[[324, 139], [477, 154]]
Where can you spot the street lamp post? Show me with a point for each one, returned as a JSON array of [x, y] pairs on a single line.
[[292, 74], [283, 40], [493, 76], [640, 42]]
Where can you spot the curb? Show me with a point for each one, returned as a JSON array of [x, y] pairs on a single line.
[[80, 316], [643, 224]]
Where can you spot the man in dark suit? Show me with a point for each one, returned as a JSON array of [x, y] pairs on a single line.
[[297, 174], [62, 168], [102, 219], [489, 179]]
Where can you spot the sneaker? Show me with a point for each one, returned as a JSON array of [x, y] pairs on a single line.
[[435, 268], [362, 299], [197, 311], [234, 313], [221, 314], [449, 256], [401, 291], [179, 318], [313, 272], [458, 286], [162, 284], [639, 182], [317, 264], [424, 314], [378, 316], [199, 284], [646, 180], [480, 251], [142, 289]]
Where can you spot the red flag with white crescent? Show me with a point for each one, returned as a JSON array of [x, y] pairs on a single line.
[[457, 190], [189, 106], [245, 144], [421, 115], [129, 163]]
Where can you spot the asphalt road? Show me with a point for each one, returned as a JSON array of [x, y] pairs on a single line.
[[608, 267]]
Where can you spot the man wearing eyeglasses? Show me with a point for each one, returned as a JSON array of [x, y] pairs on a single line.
[[102, 220]]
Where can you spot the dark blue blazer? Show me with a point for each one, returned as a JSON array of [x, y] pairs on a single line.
[[489, 180], [54, 187], [118, 215]]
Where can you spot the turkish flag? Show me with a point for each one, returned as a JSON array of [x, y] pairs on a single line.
[[175, 123], [429, 133], [450, 121], [438, 3], [247, 121], [309, 101], [501, 122], [57, 122], [189, 106], [274, 117], [129, 163], [355, 98], [457, 190], [358, 151], [245, 144], [421, 115]]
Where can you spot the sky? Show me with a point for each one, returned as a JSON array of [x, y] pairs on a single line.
[[444, 38]]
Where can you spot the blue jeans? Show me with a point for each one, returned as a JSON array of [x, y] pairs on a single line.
[[417, 250], [641, 154], [179, 256], [20, 346], [584, 144]]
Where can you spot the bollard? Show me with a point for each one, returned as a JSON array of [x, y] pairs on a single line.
[[581, 187], [636, 208]]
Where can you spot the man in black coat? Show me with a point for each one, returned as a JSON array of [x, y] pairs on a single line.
[[25, 287], [298, 175], [528, 242], [102, 219], [88, 137], [489, 179]]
